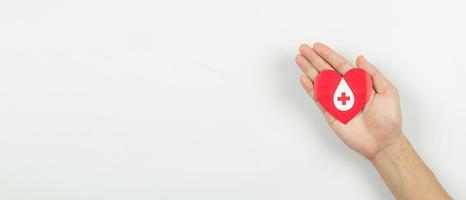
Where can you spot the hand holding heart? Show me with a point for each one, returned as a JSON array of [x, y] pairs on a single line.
[[366, 116]]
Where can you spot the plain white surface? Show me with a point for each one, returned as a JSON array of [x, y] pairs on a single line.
[[105, 99]]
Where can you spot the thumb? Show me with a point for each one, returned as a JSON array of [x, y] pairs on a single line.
[[381, 84]]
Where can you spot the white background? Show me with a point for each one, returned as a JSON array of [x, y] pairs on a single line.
[[106, 99]]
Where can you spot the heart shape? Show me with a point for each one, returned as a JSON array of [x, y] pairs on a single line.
[[343, 96]]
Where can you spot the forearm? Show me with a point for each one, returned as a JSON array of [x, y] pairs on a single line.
[[406, 174]]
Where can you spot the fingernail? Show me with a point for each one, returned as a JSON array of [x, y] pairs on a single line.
[[302, 46]]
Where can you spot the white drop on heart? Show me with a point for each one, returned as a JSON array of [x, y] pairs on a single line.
[[343, 98]]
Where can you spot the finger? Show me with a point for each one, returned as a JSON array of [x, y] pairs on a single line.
[[307, 85], [336, 60], [381, 84], [306, 67], [313, 58], [309, 88]]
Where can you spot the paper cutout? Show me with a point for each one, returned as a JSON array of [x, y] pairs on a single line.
[[343, 96]]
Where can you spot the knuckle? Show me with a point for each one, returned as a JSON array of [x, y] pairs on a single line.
[[392, 90], [342, 64]]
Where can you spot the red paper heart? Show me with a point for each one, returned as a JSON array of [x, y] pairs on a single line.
[[343, 97]]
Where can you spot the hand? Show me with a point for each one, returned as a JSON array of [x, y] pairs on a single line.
[[378, 125], [375, 132]]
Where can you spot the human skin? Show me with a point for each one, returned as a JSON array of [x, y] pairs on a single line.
[[376, 132]]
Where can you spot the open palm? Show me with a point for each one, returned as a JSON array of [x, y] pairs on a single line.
[[378, 124]]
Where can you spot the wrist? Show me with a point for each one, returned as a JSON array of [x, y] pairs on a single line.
[[405, 173], [393, 150]]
